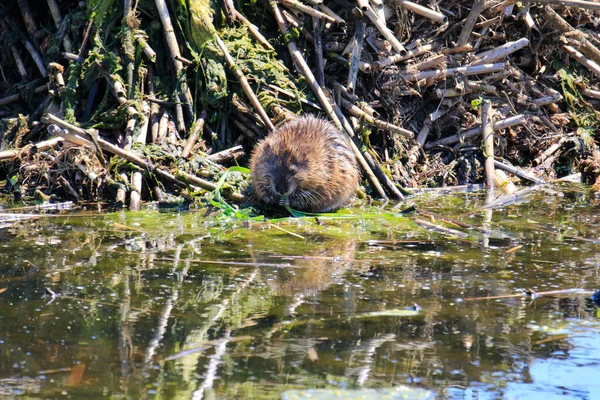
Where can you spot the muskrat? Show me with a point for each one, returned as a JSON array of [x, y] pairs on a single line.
[[306, 164]]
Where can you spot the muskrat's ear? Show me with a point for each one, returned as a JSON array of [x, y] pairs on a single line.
[[266, 148]]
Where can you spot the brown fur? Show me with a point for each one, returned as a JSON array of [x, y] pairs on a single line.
[[308, 160]]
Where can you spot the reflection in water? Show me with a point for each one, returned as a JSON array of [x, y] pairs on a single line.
[[170, 305]]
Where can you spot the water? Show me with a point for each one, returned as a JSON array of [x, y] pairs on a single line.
[[187, 305]]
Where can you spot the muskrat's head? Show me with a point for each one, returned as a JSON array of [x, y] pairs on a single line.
[[288, 177], [279, 174]]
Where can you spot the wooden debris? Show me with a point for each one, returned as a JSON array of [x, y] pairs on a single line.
[[387, 70]]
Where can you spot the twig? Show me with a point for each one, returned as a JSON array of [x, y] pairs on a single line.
[[318, 43], [546, 100], [57, 17], [471, 133], [383, 178], [154, 107], [306, 9], [18, 60], [244, 83], [227, 155], [565, 292], [195, 132], [292, 95], [550, 151], [559, 23], [500, 52], [381, 27], [509, 198], [37, 58], [357, 112], [328, 11], [295, 22], [424, 132], [594, 94], [442, 229], [148, 51], [41, 146], [583, 60], [357, 45], [135, 197], [518, 172], [447, 220], [16, 97], [165, 18], [30, 24], [488, 143], [432, 62], [254, 30], [590, 5], [470, 21], [466, 70], [384, 62], [82, 137], [424, 11], [121, 195], [470, 87]]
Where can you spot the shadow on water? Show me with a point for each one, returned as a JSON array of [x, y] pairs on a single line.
[[154, 305]]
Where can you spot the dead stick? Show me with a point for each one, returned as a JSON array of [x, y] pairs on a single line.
[[16, 97], [30, 24], [57, 17], [439, 228], [559, 23], [195, 132], [583, 60], [328, 11], [424, 11], [41, 146], [82, 137], [227, 154], [590, 5], [471, 133], [169, 31], [488, 143], [254, 30], [244, 83], [357, 112], [296, 5], [357, 46], [381, 27], [581, 292], [466, 70], [37, 58], [470, 21], [424, 132], [594, 94], [384, 62], [318, 43], [500, 52], [135, 197], [518, 172], [383, 178]]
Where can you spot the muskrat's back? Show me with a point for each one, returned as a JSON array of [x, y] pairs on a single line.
[[307, 164]]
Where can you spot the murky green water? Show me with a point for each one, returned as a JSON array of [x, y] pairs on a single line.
[[182, 305]]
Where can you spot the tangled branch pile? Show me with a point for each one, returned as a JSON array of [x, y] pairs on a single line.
[[101, 99]]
